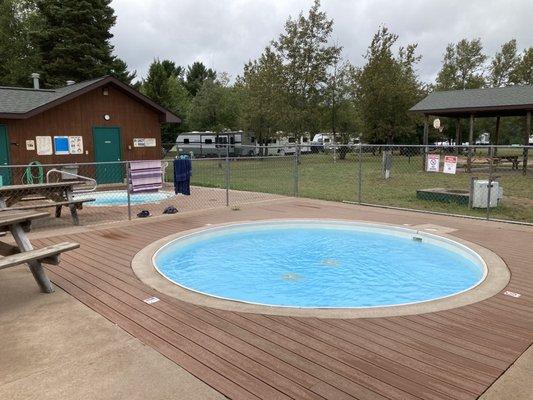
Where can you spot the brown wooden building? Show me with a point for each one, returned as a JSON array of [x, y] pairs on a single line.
[[98, 120]]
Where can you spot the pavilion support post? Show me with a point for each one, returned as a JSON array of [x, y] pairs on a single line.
[[426, 141], [496, 140], [457, 135], [470, 142], [527, 133]]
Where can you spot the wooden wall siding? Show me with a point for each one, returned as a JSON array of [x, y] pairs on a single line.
[[78, 117]]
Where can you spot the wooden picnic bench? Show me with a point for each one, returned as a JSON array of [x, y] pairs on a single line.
[[56, 194], [18, 223], [512, 159]]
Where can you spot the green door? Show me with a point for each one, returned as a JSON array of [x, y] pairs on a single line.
[[5, 173], [108, 148]]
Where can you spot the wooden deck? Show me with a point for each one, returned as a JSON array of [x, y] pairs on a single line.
[[454, 354]]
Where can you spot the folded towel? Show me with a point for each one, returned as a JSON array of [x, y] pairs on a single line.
[[146, 176]]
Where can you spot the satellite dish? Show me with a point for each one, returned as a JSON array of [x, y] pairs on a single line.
[[436, 123]]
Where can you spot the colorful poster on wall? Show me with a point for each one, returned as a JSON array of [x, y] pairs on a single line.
[[433, 163], [30, 144], [44, 145], [61, 145], [75, 144], [450, 164]]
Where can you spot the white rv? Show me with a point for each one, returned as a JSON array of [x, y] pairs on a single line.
[[213, 144], [286, 145]]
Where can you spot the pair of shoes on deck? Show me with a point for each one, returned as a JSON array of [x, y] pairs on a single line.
[[168, 210]]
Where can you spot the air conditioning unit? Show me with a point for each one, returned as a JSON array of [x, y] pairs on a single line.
[[480, 193]]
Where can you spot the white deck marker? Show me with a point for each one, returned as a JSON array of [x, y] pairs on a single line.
[[512, 294], [151, 300]]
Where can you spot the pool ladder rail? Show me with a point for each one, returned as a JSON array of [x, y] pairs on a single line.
[[85, 178]]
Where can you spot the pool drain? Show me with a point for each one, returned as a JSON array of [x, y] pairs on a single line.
[[330, 262], [292, 277]]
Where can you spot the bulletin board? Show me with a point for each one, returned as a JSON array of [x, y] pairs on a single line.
[[44, 145]]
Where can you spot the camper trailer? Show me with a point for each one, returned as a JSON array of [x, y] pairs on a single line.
[[216, 144], [286, 145]]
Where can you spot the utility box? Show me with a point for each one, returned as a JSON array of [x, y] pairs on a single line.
[[69, 172], [480, 193]]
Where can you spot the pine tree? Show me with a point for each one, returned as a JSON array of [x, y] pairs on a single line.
[[163, 86], [197, 74], [74, 39], [18, 55]]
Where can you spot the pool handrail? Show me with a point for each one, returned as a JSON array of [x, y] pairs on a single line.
[[86, 178]]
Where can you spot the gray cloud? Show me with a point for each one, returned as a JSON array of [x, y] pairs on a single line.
[[225, 34]]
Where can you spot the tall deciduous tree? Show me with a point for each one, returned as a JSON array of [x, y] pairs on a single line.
[[215, 107], [74, 39], [523, 73], [387, 88], [308, 58], [503, 65], [463, 66], [264, 98], [196, 75], [18, 55]]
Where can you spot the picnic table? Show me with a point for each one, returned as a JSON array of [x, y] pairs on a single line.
[[19, 223], [512, 159], [55, 194]]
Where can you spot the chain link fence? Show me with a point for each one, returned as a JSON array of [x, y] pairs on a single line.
[[477, 181]]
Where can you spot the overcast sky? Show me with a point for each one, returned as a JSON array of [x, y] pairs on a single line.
[[224, 34]]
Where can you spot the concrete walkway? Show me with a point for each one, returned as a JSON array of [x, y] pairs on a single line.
[[54, 347], [516, 383]]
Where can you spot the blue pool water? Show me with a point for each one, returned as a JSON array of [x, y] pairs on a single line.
[[120, 198], [318, 264]]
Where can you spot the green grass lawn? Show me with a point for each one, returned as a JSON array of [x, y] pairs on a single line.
[[320, 178]]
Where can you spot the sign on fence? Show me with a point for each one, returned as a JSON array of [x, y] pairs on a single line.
[[433, 163], [450, 164]]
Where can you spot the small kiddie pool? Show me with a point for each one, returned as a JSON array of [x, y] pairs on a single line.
[[320, 264], [120, 198]]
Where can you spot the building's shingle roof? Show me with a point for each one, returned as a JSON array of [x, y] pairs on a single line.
[[19, 103], [491, 99], [14, 100]]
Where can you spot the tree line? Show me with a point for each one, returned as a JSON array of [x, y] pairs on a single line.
[[301, 83]]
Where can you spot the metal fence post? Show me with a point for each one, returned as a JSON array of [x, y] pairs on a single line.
[[227, 175], [128, 188], [489, 189], [360, 183], [295, 170]]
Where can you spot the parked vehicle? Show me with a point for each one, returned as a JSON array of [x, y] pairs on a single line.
[[213, 144]]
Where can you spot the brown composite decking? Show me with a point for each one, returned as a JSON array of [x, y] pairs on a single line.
[[453, 354]]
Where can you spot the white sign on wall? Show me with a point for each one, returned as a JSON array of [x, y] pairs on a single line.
[[138, 142], [450, 164], [75, 144], [433, 163], [144, 142], [149, 142], [44, 145], [30, 144]]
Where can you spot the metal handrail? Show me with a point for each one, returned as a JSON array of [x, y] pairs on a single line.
[[75, 176]]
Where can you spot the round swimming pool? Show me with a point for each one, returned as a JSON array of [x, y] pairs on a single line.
[[120, 198], [320, 264]]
